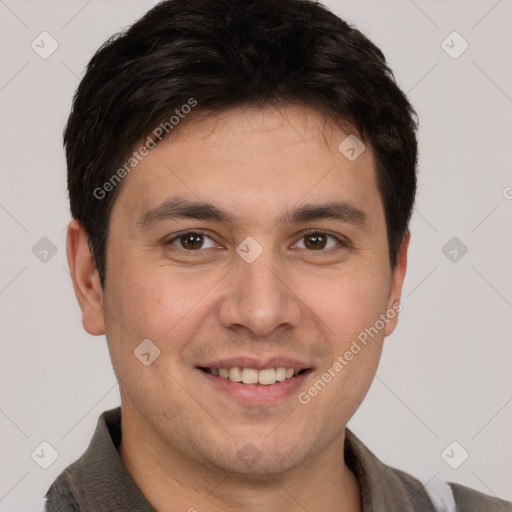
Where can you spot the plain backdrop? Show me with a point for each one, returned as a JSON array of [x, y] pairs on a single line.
[[445, 372]]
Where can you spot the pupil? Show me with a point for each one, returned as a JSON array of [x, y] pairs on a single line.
[[315, 241], [192, 241]]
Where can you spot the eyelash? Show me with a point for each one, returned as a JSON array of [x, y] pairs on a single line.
[[343, 243]]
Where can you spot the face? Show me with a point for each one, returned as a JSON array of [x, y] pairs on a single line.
[[247, 245]]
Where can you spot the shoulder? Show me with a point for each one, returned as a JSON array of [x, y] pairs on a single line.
[[59, 497], [469, 500], [385, 487]]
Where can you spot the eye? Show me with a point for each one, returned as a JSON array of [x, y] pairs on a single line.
[[191, 241], [194, 241], [319, 240]]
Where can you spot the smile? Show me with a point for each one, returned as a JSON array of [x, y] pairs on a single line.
[[253, 376]]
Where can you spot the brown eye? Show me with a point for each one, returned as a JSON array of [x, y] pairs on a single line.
[[315, 241], [319, 240], [192, 241]]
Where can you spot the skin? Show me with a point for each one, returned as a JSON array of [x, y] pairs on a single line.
[[180, 435]]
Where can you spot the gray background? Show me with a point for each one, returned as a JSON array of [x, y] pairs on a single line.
[[445, 373]]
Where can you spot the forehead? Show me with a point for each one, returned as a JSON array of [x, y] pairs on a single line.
[[270, 157]]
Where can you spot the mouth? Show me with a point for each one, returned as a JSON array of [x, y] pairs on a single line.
[[255, 377], [254, 382]]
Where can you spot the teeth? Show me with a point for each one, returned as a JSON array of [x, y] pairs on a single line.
[[264, 377], [250, 376], [235, 374], [280, 374], [267, 376]]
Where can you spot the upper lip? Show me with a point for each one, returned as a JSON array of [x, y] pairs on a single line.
[[257, 364]]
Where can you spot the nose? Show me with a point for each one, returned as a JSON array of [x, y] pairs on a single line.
[[259, 296]]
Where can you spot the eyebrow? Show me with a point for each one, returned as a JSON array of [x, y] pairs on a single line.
[[181, 208]]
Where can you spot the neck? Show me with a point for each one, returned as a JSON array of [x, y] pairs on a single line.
[[171, 481]]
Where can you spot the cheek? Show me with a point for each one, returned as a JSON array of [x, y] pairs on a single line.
[[360, 322], [350, 302], [162, 303]]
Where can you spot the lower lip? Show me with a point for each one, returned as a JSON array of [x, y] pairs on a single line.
[[257, 394]]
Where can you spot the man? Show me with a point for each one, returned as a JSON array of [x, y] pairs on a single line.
[[241, 178]]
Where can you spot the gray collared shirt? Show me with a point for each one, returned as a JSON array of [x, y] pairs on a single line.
[[99, 482]]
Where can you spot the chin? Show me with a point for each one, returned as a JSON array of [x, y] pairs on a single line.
[[258, 460]]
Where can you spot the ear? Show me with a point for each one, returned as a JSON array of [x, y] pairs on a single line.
[[86, 281], [395, 290]]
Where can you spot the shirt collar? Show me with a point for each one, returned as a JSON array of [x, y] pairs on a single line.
[[383, 487], [99, 480]]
